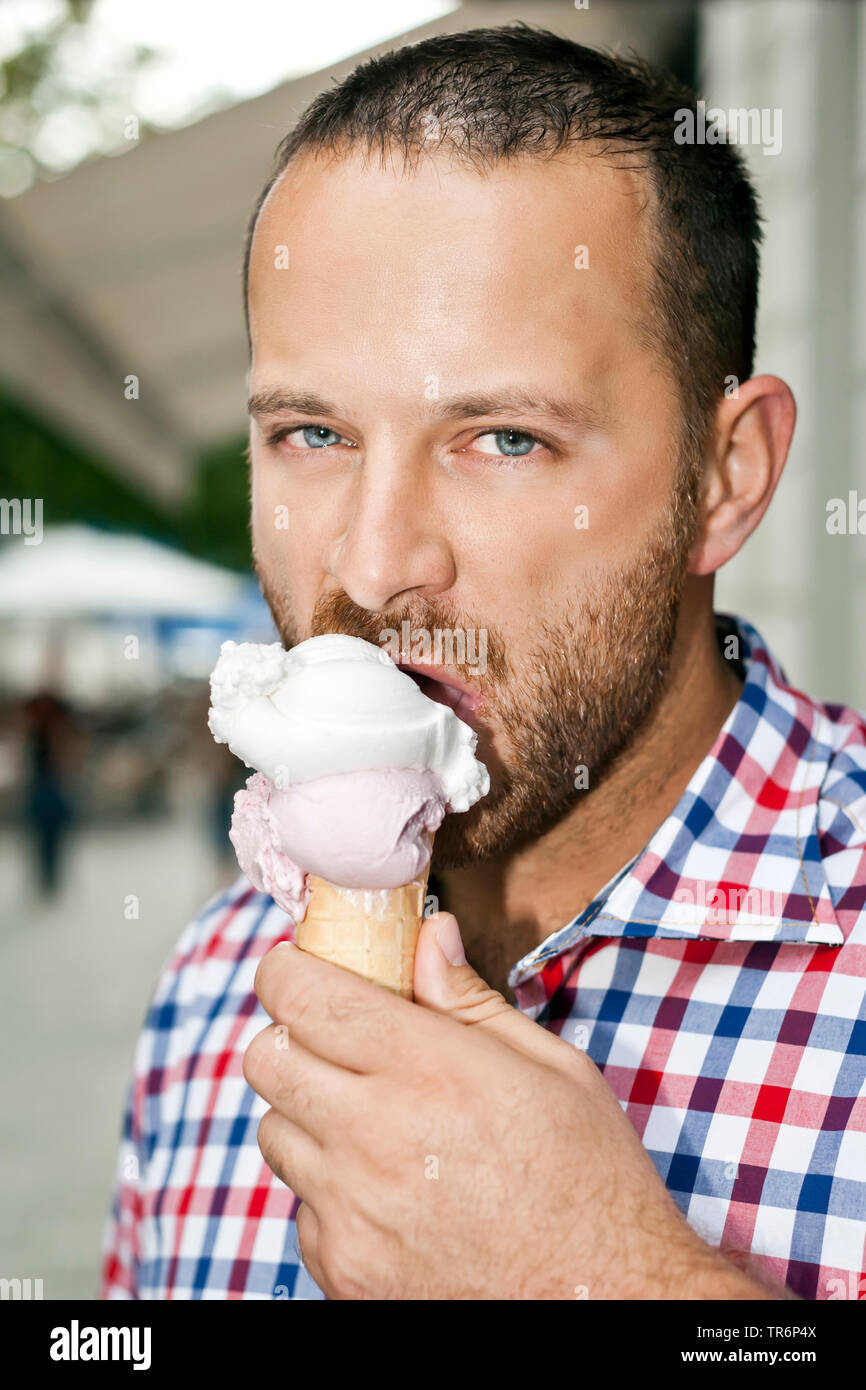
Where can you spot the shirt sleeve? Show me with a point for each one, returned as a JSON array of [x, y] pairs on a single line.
[[121, 1241], [123, 1246], [121, 1238]]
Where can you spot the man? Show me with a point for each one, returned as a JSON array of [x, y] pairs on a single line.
[[501, 336]]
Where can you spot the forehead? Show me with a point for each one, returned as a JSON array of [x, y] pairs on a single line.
[[532, 250]]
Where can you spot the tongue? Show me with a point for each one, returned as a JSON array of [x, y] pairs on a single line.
[[437, 690]]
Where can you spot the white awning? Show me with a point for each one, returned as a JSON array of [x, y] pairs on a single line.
[[131, 265]]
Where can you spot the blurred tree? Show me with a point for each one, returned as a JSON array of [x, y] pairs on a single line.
[[215, 522], [36, 461], [64, 93]]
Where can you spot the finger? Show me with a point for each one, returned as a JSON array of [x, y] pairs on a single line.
[[334, 1013], [447, 984], [318, 1097], [292, 1155], [307, 1227]]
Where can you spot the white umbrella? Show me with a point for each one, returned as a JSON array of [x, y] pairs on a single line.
[[78, 571]]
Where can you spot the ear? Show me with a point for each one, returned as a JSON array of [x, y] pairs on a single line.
[[742, 465]]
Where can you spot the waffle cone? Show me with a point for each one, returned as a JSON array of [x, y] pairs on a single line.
[[372, 932]]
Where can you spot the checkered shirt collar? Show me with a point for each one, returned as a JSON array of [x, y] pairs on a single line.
[[739, 857]]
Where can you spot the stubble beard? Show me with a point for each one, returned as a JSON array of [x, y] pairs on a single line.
[[568, 709]]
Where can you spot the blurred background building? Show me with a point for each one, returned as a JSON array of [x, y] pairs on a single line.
[[135, 140]]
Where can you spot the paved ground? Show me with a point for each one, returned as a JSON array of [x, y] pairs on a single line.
[[75, 980]]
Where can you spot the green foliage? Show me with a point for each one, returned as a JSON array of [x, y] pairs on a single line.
[[215, 523], [23, 71], [35, 461], [41, 77], [76, 486]]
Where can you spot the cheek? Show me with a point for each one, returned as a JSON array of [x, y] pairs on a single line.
[[282, 517], [287, 546], [528, 549], [263, 501], [534, 551], [606, 516]]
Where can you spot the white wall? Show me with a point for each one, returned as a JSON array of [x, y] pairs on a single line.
[[803, 588]]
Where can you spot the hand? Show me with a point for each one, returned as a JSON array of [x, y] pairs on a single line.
[[452, 1148]]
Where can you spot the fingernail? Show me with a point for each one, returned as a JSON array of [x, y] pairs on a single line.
[[450, 940]]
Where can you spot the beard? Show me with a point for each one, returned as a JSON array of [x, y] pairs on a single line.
[[567, 709]]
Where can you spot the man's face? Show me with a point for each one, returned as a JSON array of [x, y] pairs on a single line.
[[494, 447]]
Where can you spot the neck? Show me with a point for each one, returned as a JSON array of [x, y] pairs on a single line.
[[507, 906]]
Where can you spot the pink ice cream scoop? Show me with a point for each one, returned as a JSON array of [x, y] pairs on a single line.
[[370, 829]]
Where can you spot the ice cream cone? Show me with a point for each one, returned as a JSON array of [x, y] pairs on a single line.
[[372, 932]]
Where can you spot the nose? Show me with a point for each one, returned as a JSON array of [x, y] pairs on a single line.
[[392, 546]]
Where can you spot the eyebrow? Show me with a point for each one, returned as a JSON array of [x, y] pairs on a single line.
[[518, 402]]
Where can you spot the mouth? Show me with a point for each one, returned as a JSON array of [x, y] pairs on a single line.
[[445, 689]]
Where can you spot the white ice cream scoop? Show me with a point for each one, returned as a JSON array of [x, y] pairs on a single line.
[[337, 704]]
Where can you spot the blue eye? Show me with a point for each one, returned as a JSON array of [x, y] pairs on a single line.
[[509, 443], [306, 437], [319, 436]]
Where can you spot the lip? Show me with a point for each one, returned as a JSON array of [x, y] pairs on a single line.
[[446, 689]]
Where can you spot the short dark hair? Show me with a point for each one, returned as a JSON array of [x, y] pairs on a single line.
[[494, 94]]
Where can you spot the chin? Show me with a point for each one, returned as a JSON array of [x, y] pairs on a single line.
[[456, 843]]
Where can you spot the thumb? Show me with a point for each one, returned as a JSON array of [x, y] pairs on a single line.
[[447, 983], [444, 980]]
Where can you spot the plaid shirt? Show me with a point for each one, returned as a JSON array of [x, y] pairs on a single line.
[[717, 981]]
